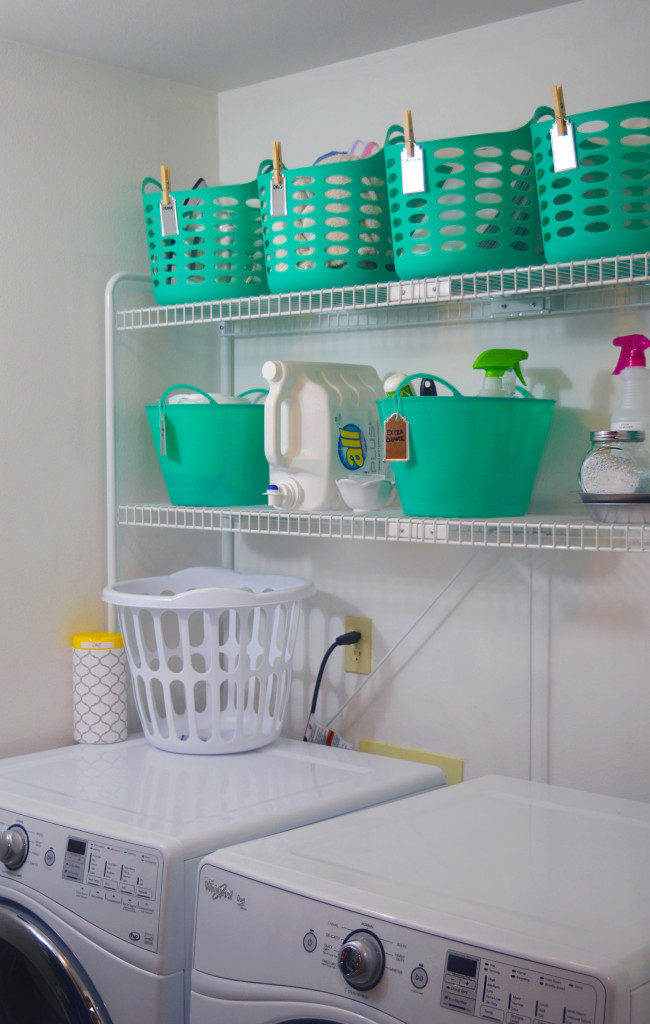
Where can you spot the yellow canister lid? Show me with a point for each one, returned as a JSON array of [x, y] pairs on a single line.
[[89, 641]]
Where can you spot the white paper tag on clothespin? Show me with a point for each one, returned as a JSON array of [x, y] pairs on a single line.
[[412, 171], [163, 434], [168, 218], [279, 197], [396, 438], [565, 157]]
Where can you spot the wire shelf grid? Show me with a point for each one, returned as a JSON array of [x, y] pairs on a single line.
[[340, 305], [529, 532]]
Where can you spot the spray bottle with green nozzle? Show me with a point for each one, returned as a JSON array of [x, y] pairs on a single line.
[[496, 362], [632, 411]]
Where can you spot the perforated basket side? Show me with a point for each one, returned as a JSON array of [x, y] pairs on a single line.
[[218, 252], [603, 207], [478, 211], [337, 228], [211, 681]]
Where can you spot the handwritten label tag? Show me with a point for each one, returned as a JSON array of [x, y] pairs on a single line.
[[412, 171], [169, 218], [278, 198], [163, 434], [396, 438]]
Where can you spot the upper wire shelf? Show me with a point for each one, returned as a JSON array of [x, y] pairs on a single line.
[[446, 298]]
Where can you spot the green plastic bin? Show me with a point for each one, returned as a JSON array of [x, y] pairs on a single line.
[[603, 207], [337, 228], [469, 457], [213, 455], [479, 208], [218, 253]]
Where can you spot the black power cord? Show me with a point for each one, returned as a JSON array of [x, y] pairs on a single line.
[[344, 640]]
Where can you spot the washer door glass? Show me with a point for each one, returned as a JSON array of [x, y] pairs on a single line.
[[41, 982]]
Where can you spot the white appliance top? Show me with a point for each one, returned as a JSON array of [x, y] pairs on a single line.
[[549, 873], [200, 801]]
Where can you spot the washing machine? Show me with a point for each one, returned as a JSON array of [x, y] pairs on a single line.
[[99, 852], [496, 900]]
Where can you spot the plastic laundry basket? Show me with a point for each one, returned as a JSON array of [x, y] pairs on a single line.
[[210, 655], [469, 457], [337, 228], [218, 253], [603, 207], [212, 454], [479, 208]]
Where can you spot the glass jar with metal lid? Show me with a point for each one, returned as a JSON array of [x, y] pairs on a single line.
[[618, 462]]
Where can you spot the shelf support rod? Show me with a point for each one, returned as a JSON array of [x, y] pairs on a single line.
[[227, 387], [109, 414]]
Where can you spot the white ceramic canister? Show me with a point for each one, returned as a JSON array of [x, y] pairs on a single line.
[[99, 681]]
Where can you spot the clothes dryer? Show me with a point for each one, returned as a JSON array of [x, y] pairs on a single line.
[[99, 850], [496, 900]]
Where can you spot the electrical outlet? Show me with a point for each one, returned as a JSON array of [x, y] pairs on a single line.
[[359, 656]]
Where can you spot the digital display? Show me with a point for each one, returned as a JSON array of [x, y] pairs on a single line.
[[462, 965], [76, 845]]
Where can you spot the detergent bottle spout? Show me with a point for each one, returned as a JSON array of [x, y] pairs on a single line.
[[496, 362], [632, 410]]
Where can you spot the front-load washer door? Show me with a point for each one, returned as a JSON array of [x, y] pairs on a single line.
[[40, 979]]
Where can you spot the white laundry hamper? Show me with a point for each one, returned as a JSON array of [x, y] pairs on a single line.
[[210, 654]]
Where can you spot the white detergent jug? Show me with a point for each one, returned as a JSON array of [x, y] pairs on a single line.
[[321, 423]]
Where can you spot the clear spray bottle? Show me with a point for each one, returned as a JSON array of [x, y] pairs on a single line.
[[632, 412], [496, 362]]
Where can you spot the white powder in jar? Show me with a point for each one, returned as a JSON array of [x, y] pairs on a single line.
[[607, 471]]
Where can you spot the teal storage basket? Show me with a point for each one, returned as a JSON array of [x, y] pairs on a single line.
[[218, 253], [469, 457], [337, 228], [603, 207], [214, 454], [479, 208]]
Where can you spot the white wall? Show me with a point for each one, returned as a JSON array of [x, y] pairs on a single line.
[[530, 663], [77, 139]]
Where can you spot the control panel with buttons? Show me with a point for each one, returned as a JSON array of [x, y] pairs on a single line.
[[114, 884], [408, 974]]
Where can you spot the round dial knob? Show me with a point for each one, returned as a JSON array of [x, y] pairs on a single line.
[[361, 959], [14, 847]]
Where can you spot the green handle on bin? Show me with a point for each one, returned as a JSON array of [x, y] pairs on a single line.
[[395, 133], [183, 387], [414, 376], [150, 181], [253, 391]]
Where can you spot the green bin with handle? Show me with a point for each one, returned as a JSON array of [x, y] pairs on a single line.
[[212, 453], [468, 457]]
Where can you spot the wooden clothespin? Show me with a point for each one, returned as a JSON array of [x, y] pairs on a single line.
[[563, 145], [277, 162], [558, 107], [409, 140], [412, 160]]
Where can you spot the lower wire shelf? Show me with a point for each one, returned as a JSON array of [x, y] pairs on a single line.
[[530, 532]]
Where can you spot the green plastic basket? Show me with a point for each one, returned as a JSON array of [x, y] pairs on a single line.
[[214, 454], [468, 457], [218, 253], [479, 208], [603, 207], [337, 228]]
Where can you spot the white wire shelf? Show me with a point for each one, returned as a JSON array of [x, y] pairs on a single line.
[[564, 287], [530, 532]]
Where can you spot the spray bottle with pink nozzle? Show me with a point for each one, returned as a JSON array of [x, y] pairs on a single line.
[[632, 412]]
